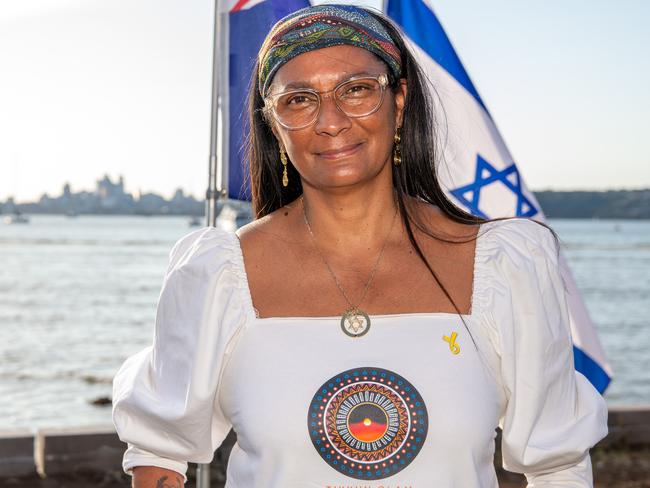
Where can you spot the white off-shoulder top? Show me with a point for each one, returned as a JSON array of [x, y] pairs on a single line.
[[413, 403]]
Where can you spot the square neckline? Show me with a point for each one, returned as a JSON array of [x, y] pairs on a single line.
[[254, 313]]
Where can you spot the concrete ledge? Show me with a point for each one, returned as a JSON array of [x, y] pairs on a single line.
[[629, 427], [17, 453], [66, 450]]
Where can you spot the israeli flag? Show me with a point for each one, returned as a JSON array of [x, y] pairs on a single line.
[[478, 172]]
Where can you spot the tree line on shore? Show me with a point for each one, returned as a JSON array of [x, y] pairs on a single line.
[[612, 204]]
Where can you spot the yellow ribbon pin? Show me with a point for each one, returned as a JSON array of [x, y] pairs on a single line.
[[453, 347]]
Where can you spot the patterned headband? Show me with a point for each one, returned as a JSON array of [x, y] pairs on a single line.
[[323, 26]]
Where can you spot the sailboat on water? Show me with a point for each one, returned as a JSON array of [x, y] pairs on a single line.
[[16, 218]]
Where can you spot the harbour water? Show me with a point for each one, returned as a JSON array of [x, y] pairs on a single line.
[[78, 295]]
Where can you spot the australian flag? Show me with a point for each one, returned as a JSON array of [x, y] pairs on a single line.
[[249, 21]]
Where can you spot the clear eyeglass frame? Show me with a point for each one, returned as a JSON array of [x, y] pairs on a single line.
[[270, 101]]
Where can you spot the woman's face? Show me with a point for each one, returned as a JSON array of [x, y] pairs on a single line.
[[337, 150]]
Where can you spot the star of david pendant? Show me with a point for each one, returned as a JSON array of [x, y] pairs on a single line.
[[355, 322]]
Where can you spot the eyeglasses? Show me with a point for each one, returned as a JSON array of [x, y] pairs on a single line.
[[297, 109]]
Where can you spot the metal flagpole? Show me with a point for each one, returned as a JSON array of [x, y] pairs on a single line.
[[218, 162]]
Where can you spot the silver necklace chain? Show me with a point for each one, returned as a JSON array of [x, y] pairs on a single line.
[[338, 284]]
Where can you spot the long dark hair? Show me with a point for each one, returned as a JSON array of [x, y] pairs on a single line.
[[415, 177]]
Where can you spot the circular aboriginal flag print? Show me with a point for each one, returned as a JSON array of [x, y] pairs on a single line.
[[367, 423]]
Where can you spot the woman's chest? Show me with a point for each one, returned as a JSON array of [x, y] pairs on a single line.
[[291, 280], [413, 386]]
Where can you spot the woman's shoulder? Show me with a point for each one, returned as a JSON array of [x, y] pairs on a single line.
[[437, 221], [207, 265], [269, 234], [513, 250], [519, 238], [204, 250]]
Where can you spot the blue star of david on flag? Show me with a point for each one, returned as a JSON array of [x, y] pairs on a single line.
[[485, 175]]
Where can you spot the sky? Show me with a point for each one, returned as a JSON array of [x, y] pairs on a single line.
[[122, 87]]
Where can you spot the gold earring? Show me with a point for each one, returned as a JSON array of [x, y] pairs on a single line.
[[397, 148], [285, 176]]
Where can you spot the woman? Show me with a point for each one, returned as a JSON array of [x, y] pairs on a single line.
[[362, 330]]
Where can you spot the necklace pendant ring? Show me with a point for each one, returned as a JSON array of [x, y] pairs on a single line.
[[355, 323]]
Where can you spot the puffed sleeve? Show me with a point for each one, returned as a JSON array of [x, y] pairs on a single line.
[[553, 415], [164, 404]]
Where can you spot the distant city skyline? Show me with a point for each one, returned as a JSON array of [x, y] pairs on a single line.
[[123, 87], [121, 178], [108, 197]]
